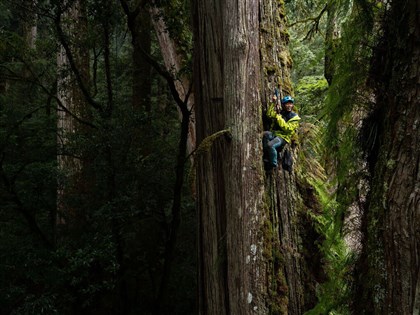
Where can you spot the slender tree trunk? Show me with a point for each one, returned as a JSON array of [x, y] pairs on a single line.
[[171, 242], [142, 69], [173, 63], [171, 57]]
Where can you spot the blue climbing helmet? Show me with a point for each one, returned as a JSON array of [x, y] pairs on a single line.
[[286, 99]]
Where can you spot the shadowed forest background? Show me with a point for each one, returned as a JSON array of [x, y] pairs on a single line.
[[125, 129]]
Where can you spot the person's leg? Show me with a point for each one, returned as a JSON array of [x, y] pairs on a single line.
[[274, 145], [267, 136]]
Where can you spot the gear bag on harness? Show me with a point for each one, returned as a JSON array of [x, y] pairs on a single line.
[[287, 160]]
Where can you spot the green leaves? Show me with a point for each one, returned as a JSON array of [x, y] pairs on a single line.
[[333, 294], [310, 96]]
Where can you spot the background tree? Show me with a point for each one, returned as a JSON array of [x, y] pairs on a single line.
[[389, 258], [362, 112], [73, 79]]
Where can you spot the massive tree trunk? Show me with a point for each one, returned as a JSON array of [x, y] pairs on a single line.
[[275, 57], [232, 277], [390, 262], [292, 268], [242, 165], [248, 237], [211, 206]]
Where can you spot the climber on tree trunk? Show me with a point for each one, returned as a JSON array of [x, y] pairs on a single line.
[[283, 127]]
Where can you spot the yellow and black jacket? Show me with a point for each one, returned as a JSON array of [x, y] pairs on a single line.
[[284, 125]]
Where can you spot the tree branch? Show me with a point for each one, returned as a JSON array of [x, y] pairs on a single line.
[[315, 20], [30, 219], [38, 83], [69, 55]]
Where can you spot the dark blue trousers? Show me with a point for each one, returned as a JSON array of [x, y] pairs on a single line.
[[272, 145]]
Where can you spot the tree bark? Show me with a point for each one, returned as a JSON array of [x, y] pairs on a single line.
[[292, 279], [244, 191], [276, 62], [72, 97], [249, 260], [399, 164], [211, 207], [173, 63], [390, 277]]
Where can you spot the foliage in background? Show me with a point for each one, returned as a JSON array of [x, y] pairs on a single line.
[[334, 294], [311, 93], [307, 55], [75, 268], [348, 102], [330, 130]]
